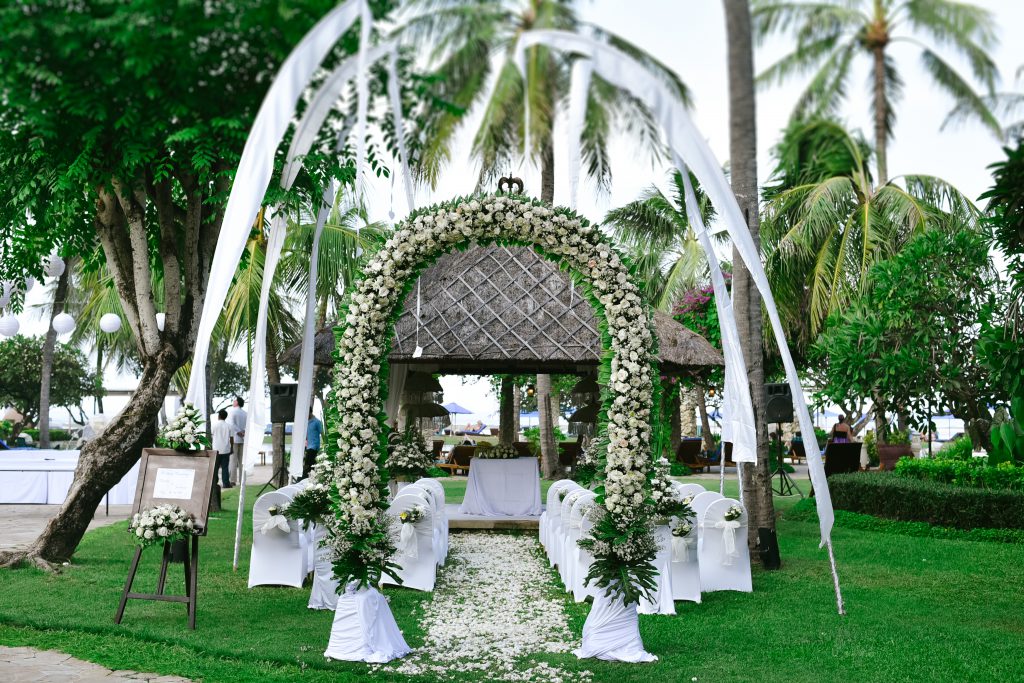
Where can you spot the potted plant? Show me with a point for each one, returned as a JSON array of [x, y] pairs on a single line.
[[896, 446]]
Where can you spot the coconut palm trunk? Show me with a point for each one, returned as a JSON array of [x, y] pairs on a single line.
[[49, 344], [881, 115], [743, 160], [545, 407], [280, 476]]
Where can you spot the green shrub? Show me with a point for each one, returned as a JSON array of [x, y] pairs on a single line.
[[898, 437], [435, 472], [888, 494], [957, 449], [975, 472], [872, 445], [805, 511], [55, 434]]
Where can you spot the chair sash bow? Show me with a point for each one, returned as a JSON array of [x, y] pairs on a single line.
[[276, 522], [407, 541], [681, 546], [728, 527]]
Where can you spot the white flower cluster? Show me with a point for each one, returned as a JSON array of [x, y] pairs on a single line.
[[186, 431], [666, 502], [734, 513], [369, 320], [501, 451], [409, 458], [162, 523], [681, 528]]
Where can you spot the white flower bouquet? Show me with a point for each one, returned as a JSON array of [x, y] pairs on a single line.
[[186, 432], [734, 513], [412, 515], [161, 524], [681, 528], [410, 457], [501, 451]]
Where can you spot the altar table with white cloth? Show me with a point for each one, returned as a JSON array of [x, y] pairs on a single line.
[[503, 488], [44, 477]]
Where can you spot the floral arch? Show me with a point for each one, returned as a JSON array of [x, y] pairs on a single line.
[[354, 471]]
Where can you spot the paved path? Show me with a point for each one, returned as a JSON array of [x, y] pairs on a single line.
[[22, 524], [27, 665]]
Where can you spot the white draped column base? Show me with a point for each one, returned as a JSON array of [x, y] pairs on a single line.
[[612, 632], [364, 630]]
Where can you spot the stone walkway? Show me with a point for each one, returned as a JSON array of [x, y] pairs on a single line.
[[27, 665]]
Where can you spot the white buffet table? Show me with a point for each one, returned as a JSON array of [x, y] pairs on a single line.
[[503, 488], [44, 477]]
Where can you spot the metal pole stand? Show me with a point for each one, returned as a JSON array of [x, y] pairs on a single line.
[[786, 485]]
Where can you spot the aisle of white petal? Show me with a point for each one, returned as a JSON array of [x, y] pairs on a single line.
[[491, 611]]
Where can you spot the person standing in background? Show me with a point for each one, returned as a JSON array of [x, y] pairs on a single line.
[[236, 420], [314, 432], [221, 431]]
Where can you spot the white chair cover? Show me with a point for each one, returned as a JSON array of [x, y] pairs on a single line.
[[437, 511], [689, 490], [440, 515], [724, 561], [324, 594], [551, 511], [420, 572], [701, 502], [684, 567], [560, 533], [612, 632], [278, 557], [661, 602], [583, 560], [364, 630], [576, 514]]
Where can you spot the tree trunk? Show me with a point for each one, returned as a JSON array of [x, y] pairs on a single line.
[[506, 421], [675, 412], [705, 423], [279, 476], [548, 447], [743, 163], [517, 404], [102, 464], [49, 344], [99, 373], [881, 114]]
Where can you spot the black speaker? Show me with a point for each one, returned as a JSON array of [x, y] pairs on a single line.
[[282, 402], [778, 403], [768, 548]]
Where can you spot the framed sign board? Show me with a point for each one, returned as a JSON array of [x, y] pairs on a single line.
[[182, 479]]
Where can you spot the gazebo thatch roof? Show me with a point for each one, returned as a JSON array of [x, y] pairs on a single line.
[[508, 310]]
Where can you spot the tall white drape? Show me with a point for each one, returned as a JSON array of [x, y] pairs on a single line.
[[686, 142], [579, 88], [253, 176]]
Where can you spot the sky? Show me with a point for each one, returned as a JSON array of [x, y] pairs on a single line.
[[689, 36]]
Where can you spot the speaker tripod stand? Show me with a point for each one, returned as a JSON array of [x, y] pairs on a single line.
[[785, 485]]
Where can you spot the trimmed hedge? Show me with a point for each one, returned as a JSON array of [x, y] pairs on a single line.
[[55, 434], [976, 472], [886, 494], [804, 511]]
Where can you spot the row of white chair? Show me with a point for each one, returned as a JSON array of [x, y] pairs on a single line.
[[283, 551], [418, 569], [686, 566]]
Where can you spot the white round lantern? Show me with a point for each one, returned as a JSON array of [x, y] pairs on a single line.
[[55, 266], [30, 282], [63, 323], [110, 323], [160, 318], [9, 326]]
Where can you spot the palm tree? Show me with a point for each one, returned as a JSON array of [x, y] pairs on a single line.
[[829, 34], [757, 487], [465, 35], [826, 223]]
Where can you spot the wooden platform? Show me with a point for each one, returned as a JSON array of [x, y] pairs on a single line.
[[457, 521]]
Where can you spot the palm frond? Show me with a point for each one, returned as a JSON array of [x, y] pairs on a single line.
[[968, 103]]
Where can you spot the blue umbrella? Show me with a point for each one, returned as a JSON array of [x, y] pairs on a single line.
[[457, 409]]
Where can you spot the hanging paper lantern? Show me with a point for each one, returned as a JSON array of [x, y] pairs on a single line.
[[55, 267], [110, 323], [30, 282], [63, 323], [160, 318], [9, 326]]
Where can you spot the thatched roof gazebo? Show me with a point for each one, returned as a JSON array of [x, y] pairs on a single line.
[[499, 309]]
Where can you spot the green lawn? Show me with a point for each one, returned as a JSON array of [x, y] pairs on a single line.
[[920, 609]]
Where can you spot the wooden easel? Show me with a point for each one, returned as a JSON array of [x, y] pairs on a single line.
[[191, 571]]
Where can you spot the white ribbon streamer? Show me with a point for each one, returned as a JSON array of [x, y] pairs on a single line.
[[728, 528], [681, 546], [407, 545], [253, 176], [362, 93], [279, 522], [396, 113], [579, 88], [685, 140]]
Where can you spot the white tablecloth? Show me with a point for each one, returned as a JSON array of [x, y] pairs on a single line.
[[45, 476], [503, 488]]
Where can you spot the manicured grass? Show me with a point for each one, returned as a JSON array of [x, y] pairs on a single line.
[[919, 609]]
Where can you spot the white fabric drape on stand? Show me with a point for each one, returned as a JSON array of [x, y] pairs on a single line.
[[364, 629], [612, 632], [579, 88], [254, 172], [686, 141], [396, 386], [396, 113]]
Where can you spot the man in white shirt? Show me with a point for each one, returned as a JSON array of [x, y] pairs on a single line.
[[236, 420], [222, 445]]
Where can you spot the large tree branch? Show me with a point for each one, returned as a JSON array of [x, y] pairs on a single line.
[[161, 193], [109, 222], [142, 275]]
